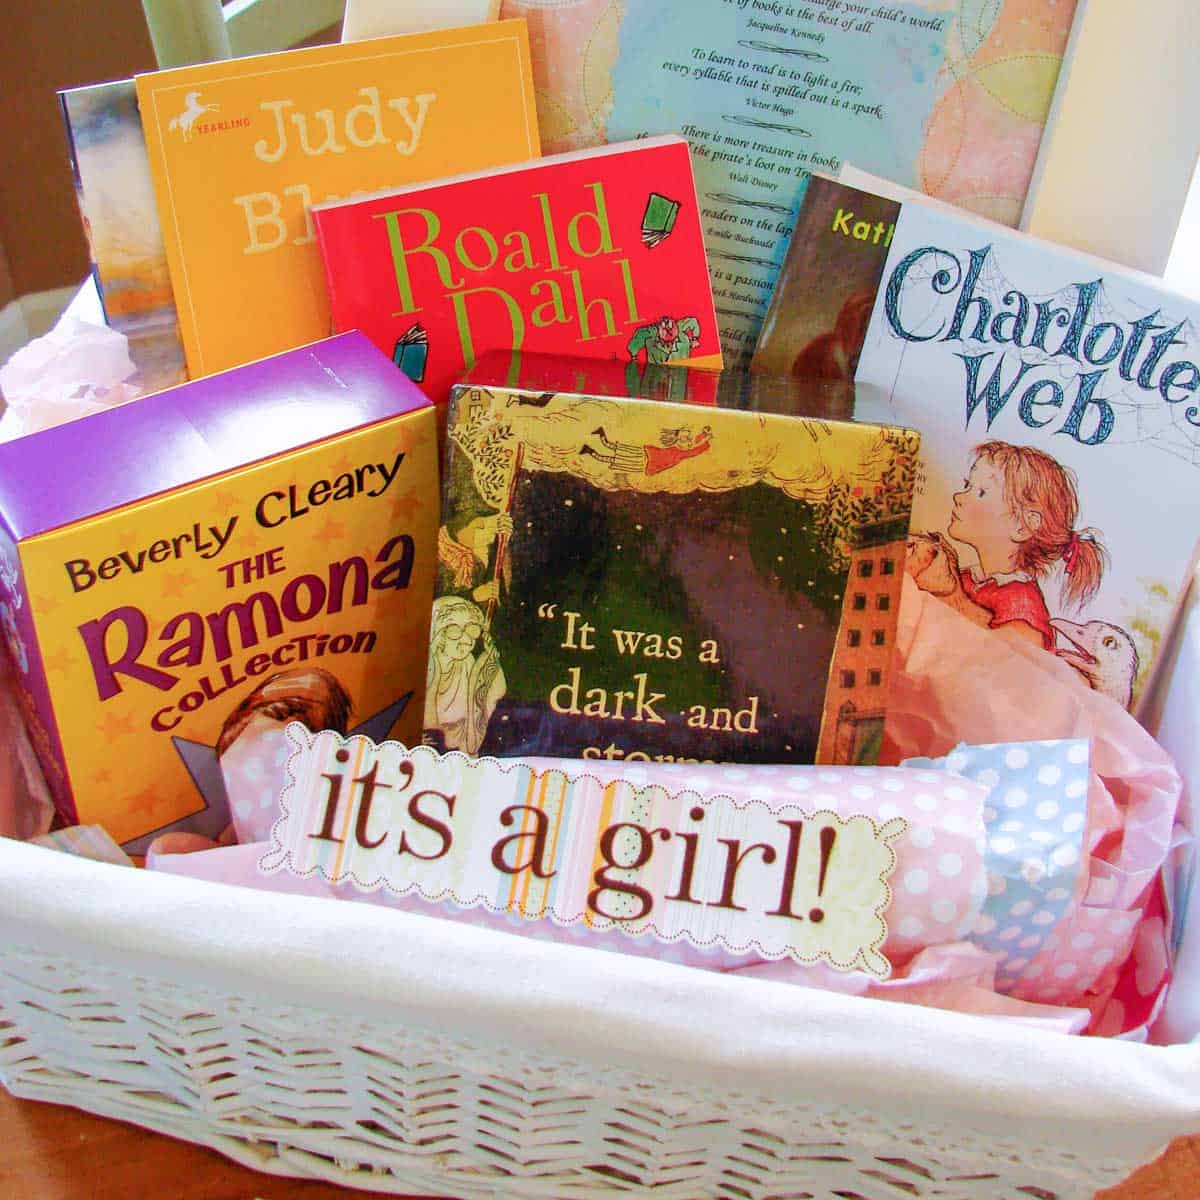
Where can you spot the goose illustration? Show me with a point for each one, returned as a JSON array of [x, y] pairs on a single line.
[[190, 115], [1103, 654]]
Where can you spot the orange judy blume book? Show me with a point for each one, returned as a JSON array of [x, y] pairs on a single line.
[[240, 149]]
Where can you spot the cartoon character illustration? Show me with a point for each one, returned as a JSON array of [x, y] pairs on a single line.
[[834, 354], [666, 341], [193, 111], [1103, 654], [675, 445], [464, 555], [465, 681], [1017, 510], [657, 381]]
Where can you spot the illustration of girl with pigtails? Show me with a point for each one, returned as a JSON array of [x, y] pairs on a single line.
[[1017, 511]]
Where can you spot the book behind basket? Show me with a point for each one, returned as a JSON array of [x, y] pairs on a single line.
[[116, 203], [251, 547], [1056, 397], [632, 579], [951, 97], [600, 252], [240, 149]]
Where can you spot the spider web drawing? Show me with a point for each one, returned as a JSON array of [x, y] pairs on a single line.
[[1141, 415]]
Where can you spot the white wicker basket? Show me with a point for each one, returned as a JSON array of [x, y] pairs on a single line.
[[403, 1054]]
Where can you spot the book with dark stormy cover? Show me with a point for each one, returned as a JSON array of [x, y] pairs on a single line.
[[635, 579]]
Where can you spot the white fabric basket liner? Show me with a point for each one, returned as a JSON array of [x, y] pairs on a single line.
[[402, 1053]]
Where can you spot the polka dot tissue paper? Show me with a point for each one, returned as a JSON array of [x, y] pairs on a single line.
[[1035, 820]]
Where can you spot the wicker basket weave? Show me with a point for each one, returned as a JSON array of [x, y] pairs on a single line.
[[402, 1054]]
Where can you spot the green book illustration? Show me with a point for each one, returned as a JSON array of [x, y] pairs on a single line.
[[411, 352], [658, 219]]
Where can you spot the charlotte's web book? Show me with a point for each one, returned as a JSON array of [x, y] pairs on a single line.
[[1056, 396], [628, 578], [946, 96], [240, 149], [597, 254]]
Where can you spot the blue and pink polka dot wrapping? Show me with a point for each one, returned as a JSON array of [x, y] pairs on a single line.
[[1036, 822]]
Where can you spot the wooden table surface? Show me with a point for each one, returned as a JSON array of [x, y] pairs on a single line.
[[52, 1153]]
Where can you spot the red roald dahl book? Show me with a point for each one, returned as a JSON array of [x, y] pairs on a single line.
[[598, 253]]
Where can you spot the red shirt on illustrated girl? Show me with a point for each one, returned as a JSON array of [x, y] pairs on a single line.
[[1011, 598]]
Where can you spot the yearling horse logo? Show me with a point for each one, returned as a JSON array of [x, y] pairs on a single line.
[[188, 117]]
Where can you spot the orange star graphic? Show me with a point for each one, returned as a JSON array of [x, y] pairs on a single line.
[[175, 585], [406, 505], [332, 531], [59, 662], [144, 802], [45, 604], [225, 500], [343, 464], [102, 776], [117, 725], [255, 541]]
